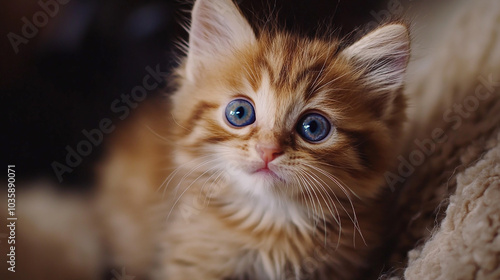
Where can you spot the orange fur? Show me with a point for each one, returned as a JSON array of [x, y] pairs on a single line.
[[321, 218]]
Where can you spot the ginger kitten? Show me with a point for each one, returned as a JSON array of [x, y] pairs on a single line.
[[279, 145]]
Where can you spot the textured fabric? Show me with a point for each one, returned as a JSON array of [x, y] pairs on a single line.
[[447, 207], [467, 245]]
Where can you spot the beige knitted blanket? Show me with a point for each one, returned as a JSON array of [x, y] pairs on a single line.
[[447, 196]]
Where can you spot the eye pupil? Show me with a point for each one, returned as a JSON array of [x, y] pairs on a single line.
[[313, 127], [240, 112]]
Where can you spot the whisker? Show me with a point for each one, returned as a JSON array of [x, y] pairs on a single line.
[[169, 178], [326, 202], [190, 185], [304, 187], [214, 182], [335, 180], [336, 218], [158, 135], [175, 121], [316, 213], [317, 199]]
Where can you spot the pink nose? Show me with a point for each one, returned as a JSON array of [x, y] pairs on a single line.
[[268, 152]]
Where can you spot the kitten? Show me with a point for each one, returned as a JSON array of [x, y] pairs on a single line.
[[279, 143], [267, 161]]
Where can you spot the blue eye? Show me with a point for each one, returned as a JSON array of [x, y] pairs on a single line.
[[240, 112], [313, 127]]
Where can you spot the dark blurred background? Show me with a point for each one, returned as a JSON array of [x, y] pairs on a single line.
[[83, 54]]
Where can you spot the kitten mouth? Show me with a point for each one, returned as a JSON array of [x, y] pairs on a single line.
[[265, 171]]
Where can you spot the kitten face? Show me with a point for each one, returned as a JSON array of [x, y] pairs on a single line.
[[288, 115], [316, 82]]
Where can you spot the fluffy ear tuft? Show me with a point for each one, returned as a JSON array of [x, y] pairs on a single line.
[[217, 27], [382, 55]]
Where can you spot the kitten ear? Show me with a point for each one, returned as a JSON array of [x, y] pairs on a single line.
[[217, 27], [382, 55]]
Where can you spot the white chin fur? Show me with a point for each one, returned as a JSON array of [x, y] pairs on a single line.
[[256, 184]]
